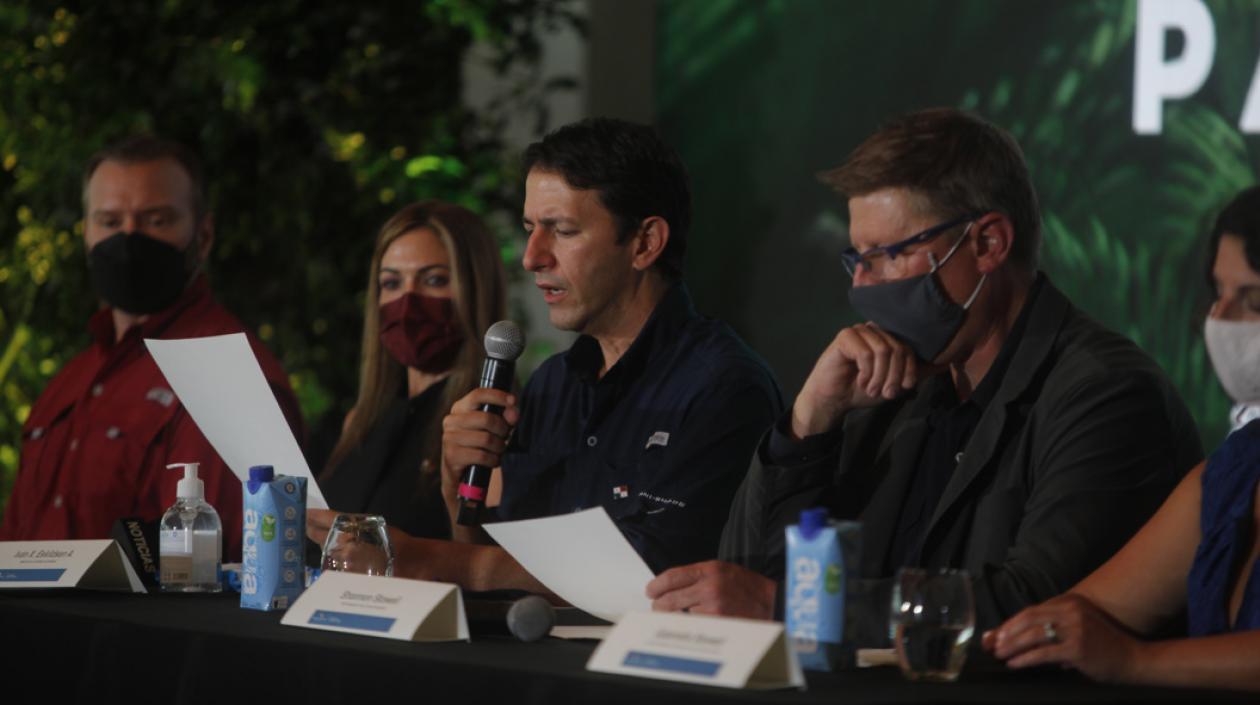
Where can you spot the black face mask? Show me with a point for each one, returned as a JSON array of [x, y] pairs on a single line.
[[137, 273], [916, 310]]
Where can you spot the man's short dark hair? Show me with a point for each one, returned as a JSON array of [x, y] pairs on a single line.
[[150, 148], [958, 162], [635, 173]]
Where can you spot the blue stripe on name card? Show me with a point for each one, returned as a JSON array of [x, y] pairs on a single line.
[[348, 620], [660, 662], [31, 575]]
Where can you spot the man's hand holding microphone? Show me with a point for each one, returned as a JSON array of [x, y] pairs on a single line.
[[475, 433]]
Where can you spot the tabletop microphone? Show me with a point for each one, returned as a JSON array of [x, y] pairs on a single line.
[[504, 343], [529, 618]]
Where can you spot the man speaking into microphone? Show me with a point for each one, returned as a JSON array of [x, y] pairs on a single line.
[[654, 410]]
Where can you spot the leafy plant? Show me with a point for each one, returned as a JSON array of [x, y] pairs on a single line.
[[1136, 267], [316, 120]]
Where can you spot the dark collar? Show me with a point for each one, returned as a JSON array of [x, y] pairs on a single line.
[[1047, 313], [943, 395], [101, 324], [992, 381], [585, 358], [429, 397]]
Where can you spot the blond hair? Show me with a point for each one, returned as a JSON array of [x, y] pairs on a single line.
[[479, 286]]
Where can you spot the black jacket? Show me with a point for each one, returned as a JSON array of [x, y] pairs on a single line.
[[1082, 442]]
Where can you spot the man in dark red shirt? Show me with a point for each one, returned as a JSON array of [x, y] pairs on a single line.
[[96, 444]]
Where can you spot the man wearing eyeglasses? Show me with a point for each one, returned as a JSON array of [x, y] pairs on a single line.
[[976, 420]]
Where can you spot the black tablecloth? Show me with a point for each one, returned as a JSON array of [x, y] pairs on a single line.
[[103, 647]]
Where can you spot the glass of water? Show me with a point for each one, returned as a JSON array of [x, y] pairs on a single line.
[[358, 543], [933, 617]]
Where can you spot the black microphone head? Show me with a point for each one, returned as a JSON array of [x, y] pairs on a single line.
[[531, 618], [504, 341]]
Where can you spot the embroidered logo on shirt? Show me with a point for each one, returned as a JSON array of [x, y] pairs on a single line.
[[663, 500], [161, 395], [660, 438], [621, 491]]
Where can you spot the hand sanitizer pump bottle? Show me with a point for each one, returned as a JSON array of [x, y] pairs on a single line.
[[190, 538]]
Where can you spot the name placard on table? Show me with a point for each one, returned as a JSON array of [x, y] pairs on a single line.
[[390, 608], [96, 564], [719, 651]]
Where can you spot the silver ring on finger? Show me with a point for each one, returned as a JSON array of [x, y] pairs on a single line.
[[1050, 633]]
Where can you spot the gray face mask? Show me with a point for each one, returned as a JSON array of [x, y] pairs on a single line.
[[1234, 348], [915, 310]]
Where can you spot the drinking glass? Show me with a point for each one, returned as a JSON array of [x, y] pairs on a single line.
[[933, 617], [358, 543]]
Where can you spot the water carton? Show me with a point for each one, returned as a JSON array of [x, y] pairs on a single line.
[[821, 556], [273, 540]]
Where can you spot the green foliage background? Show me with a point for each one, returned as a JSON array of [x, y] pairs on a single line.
[[316, 120], [760, 96]]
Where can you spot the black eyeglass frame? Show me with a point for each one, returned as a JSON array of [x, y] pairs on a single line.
[[853, 259]]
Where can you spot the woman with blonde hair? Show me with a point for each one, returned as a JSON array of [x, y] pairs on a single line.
[[435, 283]]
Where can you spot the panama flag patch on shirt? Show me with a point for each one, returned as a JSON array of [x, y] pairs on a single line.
[[621, 491]]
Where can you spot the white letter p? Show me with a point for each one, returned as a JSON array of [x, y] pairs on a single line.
[[1156, 80]]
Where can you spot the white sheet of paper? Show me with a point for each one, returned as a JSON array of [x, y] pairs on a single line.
[[582, 557], [219, 382], [95, 564], [390, 608], [720, 651]]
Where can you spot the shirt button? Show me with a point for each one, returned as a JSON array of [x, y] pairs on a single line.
[[37, 433], [591, 441], [112, 432], [97, 389], [74, 444], [57, 502]]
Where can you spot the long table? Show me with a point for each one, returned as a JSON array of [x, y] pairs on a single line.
[[77, 646]]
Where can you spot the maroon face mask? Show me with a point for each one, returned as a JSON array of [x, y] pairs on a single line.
[[421, 332]]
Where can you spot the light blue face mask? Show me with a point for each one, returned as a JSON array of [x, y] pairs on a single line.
[[915, 309]]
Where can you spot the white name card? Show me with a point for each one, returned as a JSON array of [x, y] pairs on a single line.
[[390, 608], [96, 564], [720, 651]]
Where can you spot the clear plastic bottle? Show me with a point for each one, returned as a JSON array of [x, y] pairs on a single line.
[[190, 539]]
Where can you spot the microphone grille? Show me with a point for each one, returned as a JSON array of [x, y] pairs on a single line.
[[504, 341], [531, 618]]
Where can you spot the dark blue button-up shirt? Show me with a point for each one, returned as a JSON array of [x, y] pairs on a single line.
[[662, 440]]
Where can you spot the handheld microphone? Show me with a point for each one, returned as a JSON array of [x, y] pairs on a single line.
[[504, 343], [529, 618]]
